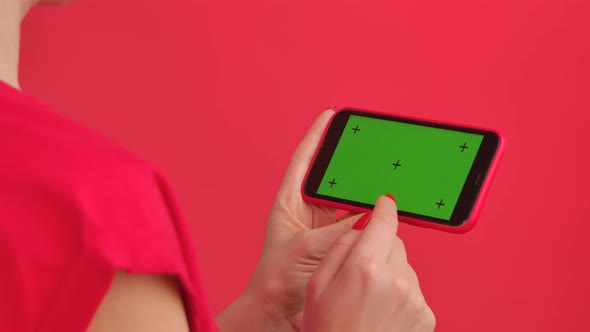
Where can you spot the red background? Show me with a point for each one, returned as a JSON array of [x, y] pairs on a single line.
[[219, 93]]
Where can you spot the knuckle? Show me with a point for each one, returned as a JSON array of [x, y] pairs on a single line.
[[422, 314], [366, 275], [369, 272], [429, 320], [417, 305], [401, 290], [426, 322]]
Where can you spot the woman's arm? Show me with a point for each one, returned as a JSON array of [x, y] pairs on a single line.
[[146, 303]]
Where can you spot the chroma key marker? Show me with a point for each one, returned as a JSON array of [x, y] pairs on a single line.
[[464, 146], [333, 182]]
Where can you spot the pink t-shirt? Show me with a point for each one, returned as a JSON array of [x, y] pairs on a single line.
[[74, 209]]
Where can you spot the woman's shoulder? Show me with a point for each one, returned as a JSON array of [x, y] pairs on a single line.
[[48, 159], [35, 132], [74, 208]]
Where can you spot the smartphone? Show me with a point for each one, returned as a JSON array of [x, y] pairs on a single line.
[[438, 172]]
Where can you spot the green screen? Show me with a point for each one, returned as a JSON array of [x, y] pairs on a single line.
[[425, 168]]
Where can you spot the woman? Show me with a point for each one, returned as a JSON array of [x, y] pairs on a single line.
[[91, 239]]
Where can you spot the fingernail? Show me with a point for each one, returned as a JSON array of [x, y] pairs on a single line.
[[332, 108], [362, 222], [390, 196]]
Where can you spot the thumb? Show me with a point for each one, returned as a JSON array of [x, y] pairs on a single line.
[[322, 238], [333, 244]]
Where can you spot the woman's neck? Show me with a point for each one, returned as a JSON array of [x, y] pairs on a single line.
[[11, 13]]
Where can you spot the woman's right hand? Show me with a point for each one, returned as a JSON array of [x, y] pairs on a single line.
[[366, 284]]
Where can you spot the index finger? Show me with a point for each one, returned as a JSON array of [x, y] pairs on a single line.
[[377, 239]]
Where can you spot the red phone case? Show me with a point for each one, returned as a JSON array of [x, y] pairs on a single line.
[[471, 221]]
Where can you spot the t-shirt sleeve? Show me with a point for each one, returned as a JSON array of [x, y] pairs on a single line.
[[132, 223], [74, 209]]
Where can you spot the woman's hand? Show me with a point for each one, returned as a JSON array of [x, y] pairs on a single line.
[[366, 284], [297, 238]]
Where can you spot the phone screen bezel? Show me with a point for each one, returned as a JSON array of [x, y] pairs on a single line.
[[471, 188]]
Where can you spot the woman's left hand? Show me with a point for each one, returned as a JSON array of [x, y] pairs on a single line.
[[298, 235]]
